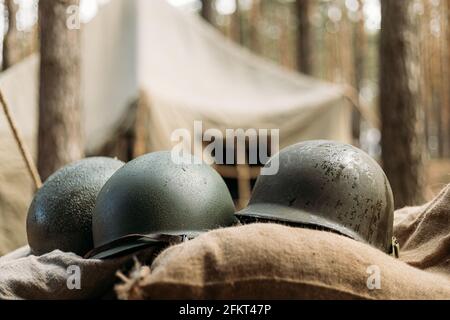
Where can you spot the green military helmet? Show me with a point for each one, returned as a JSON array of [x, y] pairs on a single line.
[[60, 215], [155, 200], [330, 186]]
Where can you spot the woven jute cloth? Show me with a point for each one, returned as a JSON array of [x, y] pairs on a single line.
[[424, 234], [268, 261], [264, 261]]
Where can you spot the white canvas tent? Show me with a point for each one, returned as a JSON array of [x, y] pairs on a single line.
[[191, 72]]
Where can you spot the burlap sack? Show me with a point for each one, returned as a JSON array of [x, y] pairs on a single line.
[[259, 261], [424, 234], [271, 261], [48, 277], [267, 261]]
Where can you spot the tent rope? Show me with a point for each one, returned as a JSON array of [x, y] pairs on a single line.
[[31, 167]]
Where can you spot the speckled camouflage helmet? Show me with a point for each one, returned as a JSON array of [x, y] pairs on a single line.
[[153, 200], [329, 186], [60, 216]]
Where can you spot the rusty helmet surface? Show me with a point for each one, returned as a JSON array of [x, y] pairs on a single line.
[[330, 186], [153, 200]]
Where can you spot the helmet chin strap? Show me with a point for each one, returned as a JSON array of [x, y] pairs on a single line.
[[156, 239], [168, 238], [395, 248]]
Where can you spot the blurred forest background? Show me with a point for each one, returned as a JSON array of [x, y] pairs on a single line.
[[342, 41], [338, 41], [394, 55]]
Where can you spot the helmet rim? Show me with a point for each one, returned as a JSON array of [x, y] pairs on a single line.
[[267, 211]]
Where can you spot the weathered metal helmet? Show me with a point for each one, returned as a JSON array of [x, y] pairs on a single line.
[[330, 186], [60, 215], [153, 200]]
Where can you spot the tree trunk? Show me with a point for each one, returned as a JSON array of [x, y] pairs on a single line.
[[446, 88], [207, 10], [447, 148], [17, 45], [255, 16], [236, 25], [359, 56], [60, 135], [402, 135], [304, 37], [11, 47]]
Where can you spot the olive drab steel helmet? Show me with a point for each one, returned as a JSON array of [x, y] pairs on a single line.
[[330, 186], [60, 215], [154, 200]]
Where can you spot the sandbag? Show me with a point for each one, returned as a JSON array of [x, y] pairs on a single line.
[[279, 262], [50, 276], [268, 261], [424, 234]]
